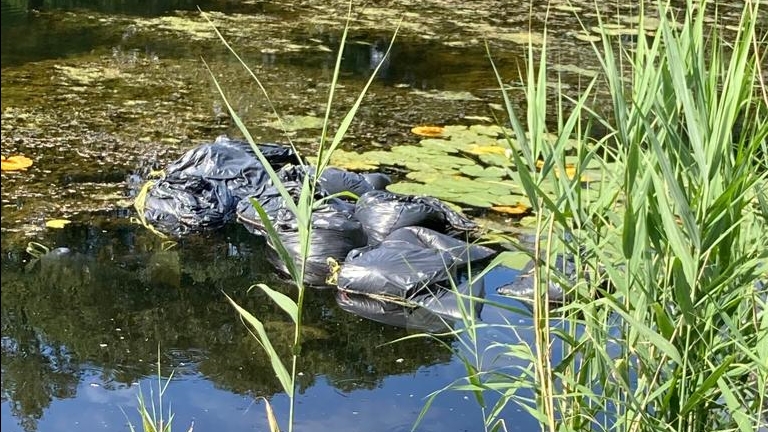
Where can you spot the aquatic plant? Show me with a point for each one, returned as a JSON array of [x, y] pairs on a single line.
[[152, 417], [665, 327]]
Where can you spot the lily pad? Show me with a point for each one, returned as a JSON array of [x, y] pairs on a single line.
[[493, 131], [478, 171], [502, 187], [428, 131], [417, 152], [586, 37], [478, 149], [354, 161], [431, 176], [496, 160], [480, 200], [451, 161], [15, 163], [512, 200], [511, 210], [450, 130], [439, 145]]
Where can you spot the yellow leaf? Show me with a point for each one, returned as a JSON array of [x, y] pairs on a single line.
[[428, 131], [273, 427], [16, 163], [57, 223], [477, 149], [513, 210]]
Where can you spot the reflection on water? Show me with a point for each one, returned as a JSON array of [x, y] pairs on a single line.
[[109, 301]]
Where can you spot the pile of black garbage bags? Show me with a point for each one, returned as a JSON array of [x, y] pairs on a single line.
[[392, 250]]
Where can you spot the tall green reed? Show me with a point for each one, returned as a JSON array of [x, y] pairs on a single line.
[[302, 207], [665, 327]]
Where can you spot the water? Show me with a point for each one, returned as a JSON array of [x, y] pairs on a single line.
[[81, 336], [95, 93]]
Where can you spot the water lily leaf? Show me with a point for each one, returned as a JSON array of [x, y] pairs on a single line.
[[444, 146], [354, 161], [570, 170], [416, 151], [478, 171], [478, 149], [586, 37], [511, 210], [473, 200], [528, 221], [494, 131], [503, 186], [467, 137], [297, 122], [418, 165], [15, 163], [447, 161], [451, 130], [432, 176], [409, 188], [508, 143], [512, 200], [428, 131], [57, 223], [496, 160]]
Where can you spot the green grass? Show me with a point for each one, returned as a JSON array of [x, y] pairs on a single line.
[[678, 233], [153, 419]]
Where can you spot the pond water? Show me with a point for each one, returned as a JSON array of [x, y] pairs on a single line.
[[98, 95]]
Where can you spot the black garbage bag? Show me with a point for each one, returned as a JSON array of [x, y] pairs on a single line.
[[407, 262], [334, 232], [335, 180], [383, 212], [200, 190]]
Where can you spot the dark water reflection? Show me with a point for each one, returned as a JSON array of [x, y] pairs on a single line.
[[93, 319]]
